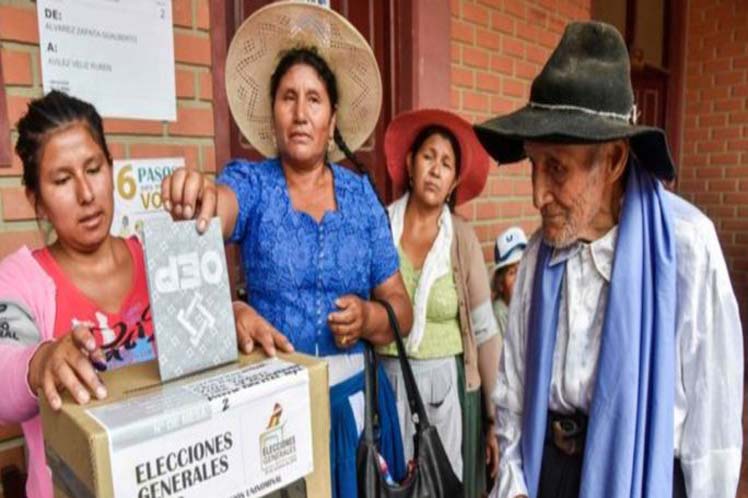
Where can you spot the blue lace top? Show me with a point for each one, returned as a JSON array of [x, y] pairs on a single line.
[[296, 267]]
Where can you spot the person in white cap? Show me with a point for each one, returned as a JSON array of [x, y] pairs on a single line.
[[507, 251]]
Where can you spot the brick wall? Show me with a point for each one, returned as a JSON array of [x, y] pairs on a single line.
[[191, 136], [497, 48], [714, 165]]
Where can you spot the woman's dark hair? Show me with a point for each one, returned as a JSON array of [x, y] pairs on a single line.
[[444, 132], [310, 56], [45, 116]]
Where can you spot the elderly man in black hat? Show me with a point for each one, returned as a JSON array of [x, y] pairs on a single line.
[[622, 370]]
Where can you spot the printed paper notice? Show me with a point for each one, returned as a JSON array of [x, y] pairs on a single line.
[[118, 55], [238, 434], [137, 193]]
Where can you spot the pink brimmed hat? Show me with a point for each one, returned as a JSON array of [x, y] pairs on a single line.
[[402, 131]]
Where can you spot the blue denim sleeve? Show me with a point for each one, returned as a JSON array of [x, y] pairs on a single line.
[[242, 177], [384, 260]]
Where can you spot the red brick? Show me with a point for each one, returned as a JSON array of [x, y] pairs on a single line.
[[730, 78], [739, 145], [714, 93], [146, 151], [206, 85], [500, 186], [511, 210], [536, 54], [11, 241], [729, 105], [203, 14], [486, 210], [712, 120], [455, 52], [15, 205], [462, 31], [488, 82], [193, 122], [525, 70], [16, 67], [501, 105], [735, 225], [192, 49], [513, 47], [475, 14], [548, 39], [706, 199], [717, 133], [462, 77], [716, 66], [475, 101], [726, 159], [181, 12], [537, 16], [133, 126], [731, 49], [513, 88], [185, 82], [475, 57], [738, 118], [515, 8], [18, 24], [494, 4], [723, 185], [711, 172], [736, 198], [523, 187], [502, 65], [488, 39], [454, 7], [740, 91], [692, 186], [740, 62], [528, 32], [502, 22], [17, 107]]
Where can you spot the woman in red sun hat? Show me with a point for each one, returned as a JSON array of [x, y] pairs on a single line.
[[435, 163]]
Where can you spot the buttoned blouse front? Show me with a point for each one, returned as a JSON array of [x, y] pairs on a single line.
[[296, 267]]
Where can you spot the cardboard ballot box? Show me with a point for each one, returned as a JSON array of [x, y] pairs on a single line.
[[242, 430]]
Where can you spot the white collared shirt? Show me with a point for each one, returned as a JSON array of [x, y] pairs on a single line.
[[709, 353]]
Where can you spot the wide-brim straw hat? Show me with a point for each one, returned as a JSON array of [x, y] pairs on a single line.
[[255, 52], [402, 132], [582, 95]]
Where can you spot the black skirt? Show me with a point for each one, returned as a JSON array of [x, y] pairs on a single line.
[[561, 473]]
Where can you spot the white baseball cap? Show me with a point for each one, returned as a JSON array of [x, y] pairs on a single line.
[[509, 247]]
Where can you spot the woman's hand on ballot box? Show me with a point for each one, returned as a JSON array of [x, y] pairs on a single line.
[[68, 364], [252, 329], [188, 194]]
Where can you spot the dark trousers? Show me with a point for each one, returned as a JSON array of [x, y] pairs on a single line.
[[561, 474]]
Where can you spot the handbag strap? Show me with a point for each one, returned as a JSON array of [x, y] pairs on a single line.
[[420, 419]]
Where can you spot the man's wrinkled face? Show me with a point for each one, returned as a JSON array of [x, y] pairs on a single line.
[[568, 185]]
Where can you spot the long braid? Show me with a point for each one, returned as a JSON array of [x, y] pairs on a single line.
[[360, 167]]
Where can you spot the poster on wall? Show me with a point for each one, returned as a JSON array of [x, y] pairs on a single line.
[[117, 55], [137, 193]]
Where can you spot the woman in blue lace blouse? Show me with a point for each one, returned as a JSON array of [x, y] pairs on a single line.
[[315, 240]]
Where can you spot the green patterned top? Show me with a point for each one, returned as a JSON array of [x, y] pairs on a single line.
[[442, 337]]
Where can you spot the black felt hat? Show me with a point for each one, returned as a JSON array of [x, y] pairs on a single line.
[[582, 95]]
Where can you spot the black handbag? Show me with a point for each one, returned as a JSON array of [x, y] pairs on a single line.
[[432, 476]]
